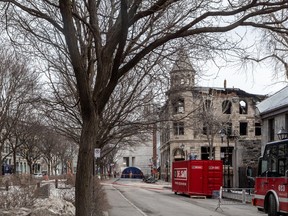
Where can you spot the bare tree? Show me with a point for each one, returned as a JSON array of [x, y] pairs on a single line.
[[30, 142], [67, 152], [271, 48], [105, 40], [210, 121], [276, 43], [48, 146], [18, 89]]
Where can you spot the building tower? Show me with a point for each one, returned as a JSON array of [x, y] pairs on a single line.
[[182, 75]]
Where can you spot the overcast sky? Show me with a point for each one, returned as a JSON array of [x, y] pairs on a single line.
[[261, 81], [254, 78]]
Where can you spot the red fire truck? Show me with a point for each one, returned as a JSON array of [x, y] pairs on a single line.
[[197, 177], [271, 183]]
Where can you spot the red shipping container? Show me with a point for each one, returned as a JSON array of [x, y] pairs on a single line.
[[197, 177]]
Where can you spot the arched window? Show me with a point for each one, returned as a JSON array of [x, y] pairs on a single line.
[[243, 107], [188, 79], [179, 154], [226, 107], [207, 106], [176, 80]]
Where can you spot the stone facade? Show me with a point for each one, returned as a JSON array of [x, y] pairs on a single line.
[[193, 116]]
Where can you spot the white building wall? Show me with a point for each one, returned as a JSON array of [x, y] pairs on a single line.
[[142, 155]]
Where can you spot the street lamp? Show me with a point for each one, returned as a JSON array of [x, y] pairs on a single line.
[[223, 133], [182, 146], [282, 134], [167, 167]]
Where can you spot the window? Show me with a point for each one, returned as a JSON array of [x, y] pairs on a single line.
[[178, 128], [126, 161], [227, 126], [283, 150], [243, 109], [226, 155], [257, 129], [207, 106], [204, 130], [286, 121], [176, 81], [271, 128], [243, 128], [226, 107], [274, 162], [6, 148], [188, 79], [178, 106], [205, 151], [282, 166]]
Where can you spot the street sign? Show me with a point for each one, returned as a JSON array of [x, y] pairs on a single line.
[[97, 152]]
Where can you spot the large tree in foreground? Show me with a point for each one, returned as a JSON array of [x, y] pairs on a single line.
[[105, 40]]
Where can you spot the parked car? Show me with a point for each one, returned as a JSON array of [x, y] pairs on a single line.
[[37, 175]]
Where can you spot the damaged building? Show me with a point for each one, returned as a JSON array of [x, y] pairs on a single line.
[[202, 123]]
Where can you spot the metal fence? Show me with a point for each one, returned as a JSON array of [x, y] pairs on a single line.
[[234, 196]]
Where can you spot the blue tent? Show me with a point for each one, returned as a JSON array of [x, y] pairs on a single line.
[[132, 172]]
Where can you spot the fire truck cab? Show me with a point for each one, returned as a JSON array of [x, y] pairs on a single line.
[[271, 183]]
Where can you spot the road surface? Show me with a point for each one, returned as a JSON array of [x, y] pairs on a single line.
[[135, 198]]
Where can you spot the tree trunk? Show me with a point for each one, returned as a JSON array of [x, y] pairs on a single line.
[[30, 167], [84, 176], [2, 161], [49, 168], [15, 162]]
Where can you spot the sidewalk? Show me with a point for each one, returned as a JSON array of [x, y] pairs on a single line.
[[119, 205]]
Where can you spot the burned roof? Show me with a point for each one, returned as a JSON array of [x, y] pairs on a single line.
[[236, 91]]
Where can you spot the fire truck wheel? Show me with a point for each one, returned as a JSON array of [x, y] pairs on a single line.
[[272, 208]]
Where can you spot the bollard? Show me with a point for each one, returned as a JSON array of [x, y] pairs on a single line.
[[7, 185], [56, 183], [243, 196]]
